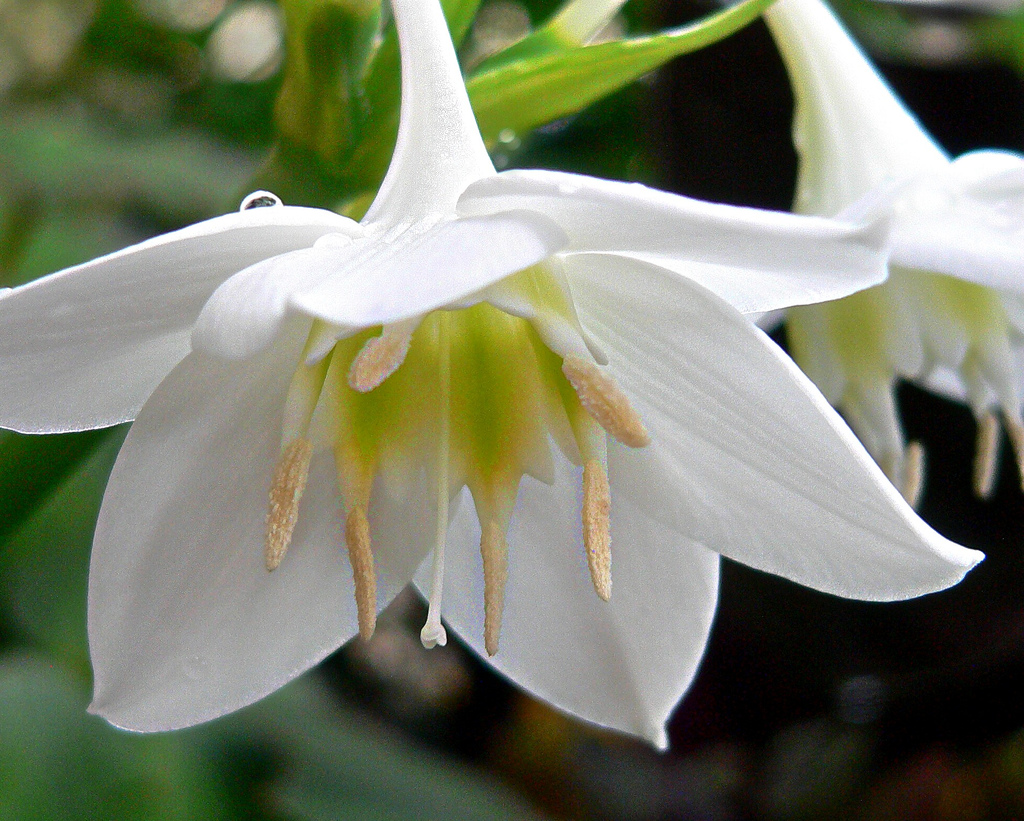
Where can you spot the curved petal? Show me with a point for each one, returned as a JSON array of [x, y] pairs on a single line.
[[747, 457], [622, 664], [244, 315], [967, 221], [423, 268], [84, 347], [185, 623], [439, 150], [756, 260]]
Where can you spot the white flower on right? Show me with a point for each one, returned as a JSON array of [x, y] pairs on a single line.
[[948, 315]]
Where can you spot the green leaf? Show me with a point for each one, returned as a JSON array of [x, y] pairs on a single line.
[[45, 562], [337, 764], [60, 155], [526, 93], [59, 762], [31, 467]]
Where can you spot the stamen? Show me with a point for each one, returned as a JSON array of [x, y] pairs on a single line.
[[985, 455], [289, 482], [381, 356], [604, 401], [913, 474], [1015, 429], [494, 551], [597, 504], [357, 540]]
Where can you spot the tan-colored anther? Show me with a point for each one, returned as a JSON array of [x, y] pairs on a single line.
[[379, 357], [597, 538], [913, 474], [494, 551], [604, 401], [360, 556], [986, 453], [1015, 430], [289, 482]]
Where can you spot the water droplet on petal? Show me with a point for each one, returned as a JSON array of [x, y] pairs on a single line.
[[260, 199]]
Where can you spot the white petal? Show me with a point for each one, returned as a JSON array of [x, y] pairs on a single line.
[[747, 457], [756, 260], [967, 221], [185, 623], [84, 347], [622, 664], [850, 130], [244, 315], [399, 275], [439, 150]]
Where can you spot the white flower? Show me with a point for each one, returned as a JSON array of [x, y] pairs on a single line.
[[950, 309], [424, 362]]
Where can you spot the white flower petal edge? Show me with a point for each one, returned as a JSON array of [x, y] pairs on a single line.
[[83, 348], [622, 664], [748, 458], [721, 247], [185, 623]]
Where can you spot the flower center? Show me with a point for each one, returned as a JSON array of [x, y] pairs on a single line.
[[469, 395]]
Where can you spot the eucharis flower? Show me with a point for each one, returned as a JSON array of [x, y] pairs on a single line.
[[488, 379], [949, 314]]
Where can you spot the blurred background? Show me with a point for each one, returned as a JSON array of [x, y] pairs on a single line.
[[121, 119]]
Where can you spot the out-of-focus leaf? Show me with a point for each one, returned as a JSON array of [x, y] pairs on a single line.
[[57, 239], [59, 762], [64, 156], [521, 95], [45, 562], [337, 765], [33, 466]]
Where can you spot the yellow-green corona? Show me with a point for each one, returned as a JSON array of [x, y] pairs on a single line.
[[472, 397]]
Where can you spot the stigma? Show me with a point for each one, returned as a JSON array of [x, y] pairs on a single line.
[[476, 396]]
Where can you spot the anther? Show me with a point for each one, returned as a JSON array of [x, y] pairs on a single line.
[[913, 474], [604, 401], [380, 357], [986, 454], [357, 540], [1015, 430], [494, 551], [597, 540], [285, 492]]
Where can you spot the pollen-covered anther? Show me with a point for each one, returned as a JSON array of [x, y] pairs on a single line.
[[285, 492], [604, 401], [494, 552], [913, 474], [360, 556], [986, 455], [1015, 430], [597, 503], [380, 357]]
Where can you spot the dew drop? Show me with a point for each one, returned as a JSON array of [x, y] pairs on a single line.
[[259, 199]]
